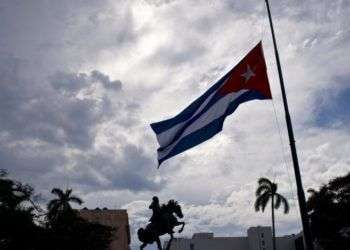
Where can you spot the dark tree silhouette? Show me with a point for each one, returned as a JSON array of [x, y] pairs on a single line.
[[61, 204], [268, 190], [17, 227], [68, 230], [72, 232], [329, 214], [21, 229]]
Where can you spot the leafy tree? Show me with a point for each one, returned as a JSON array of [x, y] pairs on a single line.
[[329, 214], [20, 228], [17, 227], [265, 192]]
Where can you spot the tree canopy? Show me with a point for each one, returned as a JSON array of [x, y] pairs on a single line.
[[22, 225], [329, 213]]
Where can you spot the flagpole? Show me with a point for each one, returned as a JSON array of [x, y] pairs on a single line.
[[300, 190]]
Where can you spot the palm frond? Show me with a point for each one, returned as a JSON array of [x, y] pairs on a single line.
[[264, 180], [265, 200], [261, 202], [262, 189], [68, 192], [53, 210], [278, 200], [76, 199], [285, 203], [58, 192], [52, 204], [257, 204]]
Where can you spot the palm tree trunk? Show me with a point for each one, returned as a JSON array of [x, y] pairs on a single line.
[[273, 224]]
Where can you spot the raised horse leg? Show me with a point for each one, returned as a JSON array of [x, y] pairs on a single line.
[[178, 223], [159, 244], [183, 226]]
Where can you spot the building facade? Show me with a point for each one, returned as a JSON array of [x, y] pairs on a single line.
[[258, 238], [116, 218]]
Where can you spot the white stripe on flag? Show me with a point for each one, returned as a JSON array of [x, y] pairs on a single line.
[[165, 137], [214, 112]]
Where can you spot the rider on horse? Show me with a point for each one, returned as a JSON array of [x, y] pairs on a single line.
[[158, 219], [163, 220], [156, 216]]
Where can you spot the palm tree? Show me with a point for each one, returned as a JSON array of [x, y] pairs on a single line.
[[62, 203], [268, 190]]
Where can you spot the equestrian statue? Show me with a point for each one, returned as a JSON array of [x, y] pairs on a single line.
[[162, 222]]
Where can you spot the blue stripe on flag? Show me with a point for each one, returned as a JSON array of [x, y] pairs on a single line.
[[159, 127], [178, 134], [211, 129]]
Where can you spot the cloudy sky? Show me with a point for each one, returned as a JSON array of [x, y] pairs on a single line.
[[80, 82]]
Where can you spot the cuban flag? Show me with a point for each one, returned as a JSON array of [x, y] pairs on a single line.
[[205, 117]]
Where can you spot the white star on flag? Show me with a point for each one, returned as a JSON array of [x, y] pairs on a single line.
[[248, 74]]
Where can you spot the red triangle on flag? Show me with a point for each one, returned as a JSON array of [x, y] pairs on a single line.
[[250, 73]]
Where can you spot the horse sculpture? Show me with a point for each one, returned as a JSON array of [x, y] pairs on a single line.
[[166, 224]]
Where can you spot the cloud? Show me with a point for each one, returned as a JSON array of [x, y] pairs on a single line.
[[51, 115], [53, 129], [81, 82], [331, 104], [104, 79], [71, 34], [127, 169], [159, 2]]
